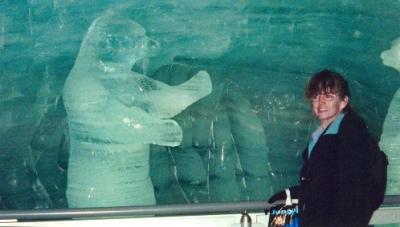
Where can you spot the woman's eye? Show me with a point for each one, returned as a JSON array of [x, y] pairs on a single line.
[[330, 96]]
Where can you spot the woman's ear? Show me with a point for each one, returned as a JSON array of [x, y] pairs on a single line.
[[344, 102]]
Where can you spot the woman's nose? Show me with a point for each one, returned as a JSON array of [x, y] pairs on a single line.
[[322, 99], [319, 99]]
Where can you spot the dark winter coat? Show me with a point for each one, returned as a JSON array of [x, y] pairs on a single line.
[[334, 183]]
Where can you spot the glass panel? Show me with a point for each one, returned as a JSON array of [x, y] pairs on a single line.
[[117, 103]]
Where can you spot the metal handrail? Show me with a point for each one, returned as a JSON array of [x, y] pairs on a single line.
[[159, 210]]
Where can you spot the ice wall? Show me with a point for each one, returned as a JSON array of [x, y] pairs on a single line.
[[390, 139], [258, 53]]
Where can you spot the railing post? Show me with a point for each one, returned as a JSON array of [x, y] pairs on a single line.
[[245, 220]]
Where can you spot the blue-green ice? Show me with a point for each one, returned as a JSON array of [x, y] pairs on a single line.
[[110, 103]]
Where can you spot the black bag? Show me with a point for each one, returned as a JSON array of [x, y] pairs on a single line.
[[378, 175], [286, 215]]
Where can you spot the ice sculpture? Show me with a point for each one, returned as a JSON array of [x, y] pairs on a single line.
[[115, 113], [390, 139]]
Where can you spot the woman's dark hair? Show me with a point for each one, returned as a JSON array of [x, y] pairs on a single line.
[[327, 81]]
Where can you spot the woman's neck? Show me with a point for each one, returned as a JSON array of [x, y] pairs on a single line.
[[325, 123]]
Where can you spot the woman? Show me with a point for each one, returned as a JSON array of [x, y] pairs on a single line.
[[334, 183]]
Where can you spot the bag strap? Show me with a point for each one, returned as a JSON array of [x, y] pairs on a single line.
[[289, 201], [288, 198]]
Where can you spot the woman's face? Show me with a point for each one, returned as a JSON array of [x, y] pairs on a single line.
[[327, 106]]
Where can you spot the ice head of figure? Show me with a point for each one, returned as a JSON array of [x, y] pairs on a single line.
[[391, 57], [118, 40]]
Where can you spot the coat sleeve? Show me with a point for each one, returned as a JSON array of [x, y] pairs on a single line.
[[353, 165]]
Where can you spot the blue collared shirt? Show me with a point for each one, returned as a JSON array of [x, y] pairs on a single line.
[[333, 129]]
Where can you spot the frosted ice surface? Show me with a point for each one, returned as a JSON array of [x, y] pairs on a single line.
[[114, 114], [390, 139], [223, 156], [224, 185]]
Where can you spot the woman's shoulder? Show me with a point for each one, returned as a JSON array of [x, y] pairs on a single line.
[[353, 122]]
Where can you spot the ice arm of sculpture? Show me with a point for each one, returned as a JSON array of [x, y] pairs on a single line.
[[137, 128], [178, 98], [155, 97]]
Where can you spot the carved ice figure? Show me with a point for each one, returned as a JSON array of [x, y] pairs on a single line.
[[115, 113], [390, 139]]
